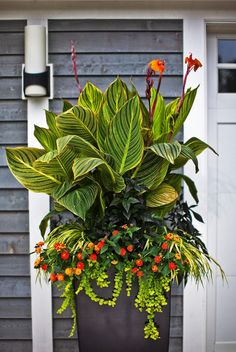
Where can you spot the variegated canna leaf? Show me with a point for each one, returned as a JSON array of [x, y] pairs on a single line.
[[78, 121], [111, 180], [124, 140], [91, 98], [158, 126], [168, 151], [163, 195], [80, 145], [115, 97], [80, 200], [51, 122], [57, 164], [20, 161], [152, 171], [45, 137]]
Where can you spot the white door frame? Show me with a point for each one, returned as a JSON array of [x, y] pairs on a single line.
[[195, 303]]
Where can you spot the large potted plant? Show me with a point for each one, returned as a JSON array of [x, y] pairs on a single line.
[[109, 163]]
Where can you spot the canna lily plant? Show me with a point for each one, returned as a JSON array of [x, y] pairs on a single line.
[[110, 164]]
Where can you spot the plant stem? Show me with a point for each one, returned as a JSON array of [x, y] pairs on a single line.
[[156, 97]]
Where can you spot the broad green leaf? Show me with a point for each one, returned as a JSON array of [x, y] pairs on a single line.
[[91, 98], [80, 145], [63, 189], [185, 109], [175, 180], [45, 137], [152, 171], [66, 105], [80, 200], [78, 121], [168, 151], [82, 166], [170, 112], [124, 141], [163, 195], [45, 222], [185, 155], [20, 161], [158, 126], [51, 122], [115, 97], [103, 124], [198, 146], [110, 179], [54, 163]]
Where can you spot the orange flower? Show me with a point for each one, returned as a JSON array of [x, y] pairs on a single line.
[[90, 245], [69, 271], [40, 244], [169, 236], [38, 250], [58, 246], [178, 256], [176, 238], [77, 271], [195, 63], [125, 226], [115, 232], [60, 277], [157, 65], [37, 262]]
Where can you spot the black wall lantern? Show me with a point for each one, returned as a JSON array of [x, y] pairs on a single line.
[[37, 76]]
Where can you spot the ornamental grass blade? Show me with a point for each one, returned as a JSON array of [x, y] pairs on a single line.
[[124, 141], [20, 161]]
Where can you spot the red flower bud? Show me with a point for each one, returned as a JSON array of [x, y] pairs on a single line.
[[122, 252], [164, 245], [130, 248], [93, 257], [157, 259], [65, 255], [172, 266], [134, 270], [80, 265], [139, 262]]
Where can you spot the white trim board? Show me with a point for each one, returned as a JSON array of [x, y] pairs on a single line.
[[41, 293]]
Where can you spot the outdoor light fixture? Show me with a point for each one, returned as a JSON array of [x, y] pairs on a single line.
[[36, 74]]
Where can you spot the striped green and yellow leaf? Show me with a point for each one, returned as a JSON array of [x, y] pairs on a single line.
[[45, 137], [51, 122], [91, 98], [163, 195], [151, 171], [115, 97], [168, 151], [78, 121], [20, 161], [124, 141], [80, 145], [158, 126], [80, 200]]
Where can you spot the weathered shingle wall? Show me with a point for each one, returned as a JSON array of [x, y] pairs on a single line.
[[15, 309], [107, 48]]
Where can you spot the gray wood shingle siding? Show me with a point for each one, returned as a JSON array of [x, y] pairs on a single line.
[[15, 303], [107, 48]]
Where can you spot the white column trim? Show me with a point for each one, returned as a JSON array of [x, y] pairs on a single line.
[[41, 293], [194, 324]]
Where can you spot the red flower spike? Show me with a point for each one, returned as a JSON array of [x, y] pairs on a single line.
[[80, 265], [164, 245], [172, 266], [193, 63], [139, 262], [122, 252], [65, 255], [93, 257]]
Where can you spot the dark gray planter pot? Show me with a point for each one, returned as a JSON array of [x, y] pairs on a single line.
[[119, 329]]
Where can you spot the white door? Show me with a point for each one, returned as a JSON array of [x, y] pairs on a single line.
[[221, 299]]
